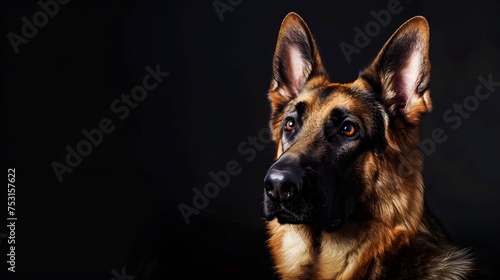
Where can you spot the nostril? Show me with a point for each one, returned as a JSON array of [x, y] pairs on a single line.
[[269, 189], [287, 190]]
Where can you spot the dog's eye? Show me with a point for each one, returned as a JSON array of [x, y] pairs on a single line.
[[349, 129], [290, 125]]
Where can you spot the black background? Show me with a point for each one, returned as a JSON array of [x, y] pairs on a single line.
[[118, 209]]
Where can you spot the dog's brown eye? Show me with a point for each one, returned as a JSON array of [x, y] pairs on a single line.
[[290, 125], [349, 129]]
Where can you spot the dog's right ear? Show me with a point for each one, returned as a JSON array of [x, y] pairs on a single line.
[[296, 60]]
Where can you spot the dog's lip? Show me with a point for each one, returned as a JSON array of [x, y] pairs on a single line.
[[285, 216], [289, 219]]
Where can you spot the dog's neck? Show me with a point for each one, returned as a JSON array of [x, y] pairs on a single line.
[[352, 252]]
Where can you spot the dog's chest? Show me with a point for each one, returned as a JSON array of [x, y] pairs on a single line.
[[296, 249], [298, 256]]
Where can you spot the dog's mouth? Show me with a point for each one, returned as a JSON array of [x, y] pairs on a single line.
[[293, 210], [285, 213], [285, 216], [300, 213]]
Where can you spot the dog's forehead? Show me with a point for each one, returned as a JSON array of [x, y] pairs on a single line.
[[322, 100]]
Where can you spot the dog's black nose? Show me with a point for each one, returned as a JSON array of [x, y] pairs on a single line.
[[281, 185]]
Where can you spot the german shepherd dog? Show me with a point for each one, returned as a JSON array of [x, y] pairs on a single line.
[[341, 200]]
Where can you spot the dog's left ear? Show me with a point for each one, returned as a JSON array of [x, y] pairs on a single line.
[[401, 71]]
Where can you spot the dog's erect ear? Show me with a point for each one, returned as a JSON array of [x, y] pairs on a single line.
[[296, 60], [401, 71]]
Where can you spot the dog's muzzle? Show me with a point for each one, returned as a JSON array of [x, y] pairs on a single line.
[[283, 186]]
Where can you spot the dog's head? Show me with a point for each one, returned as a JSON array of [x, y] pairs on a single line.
[[342, 145]]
